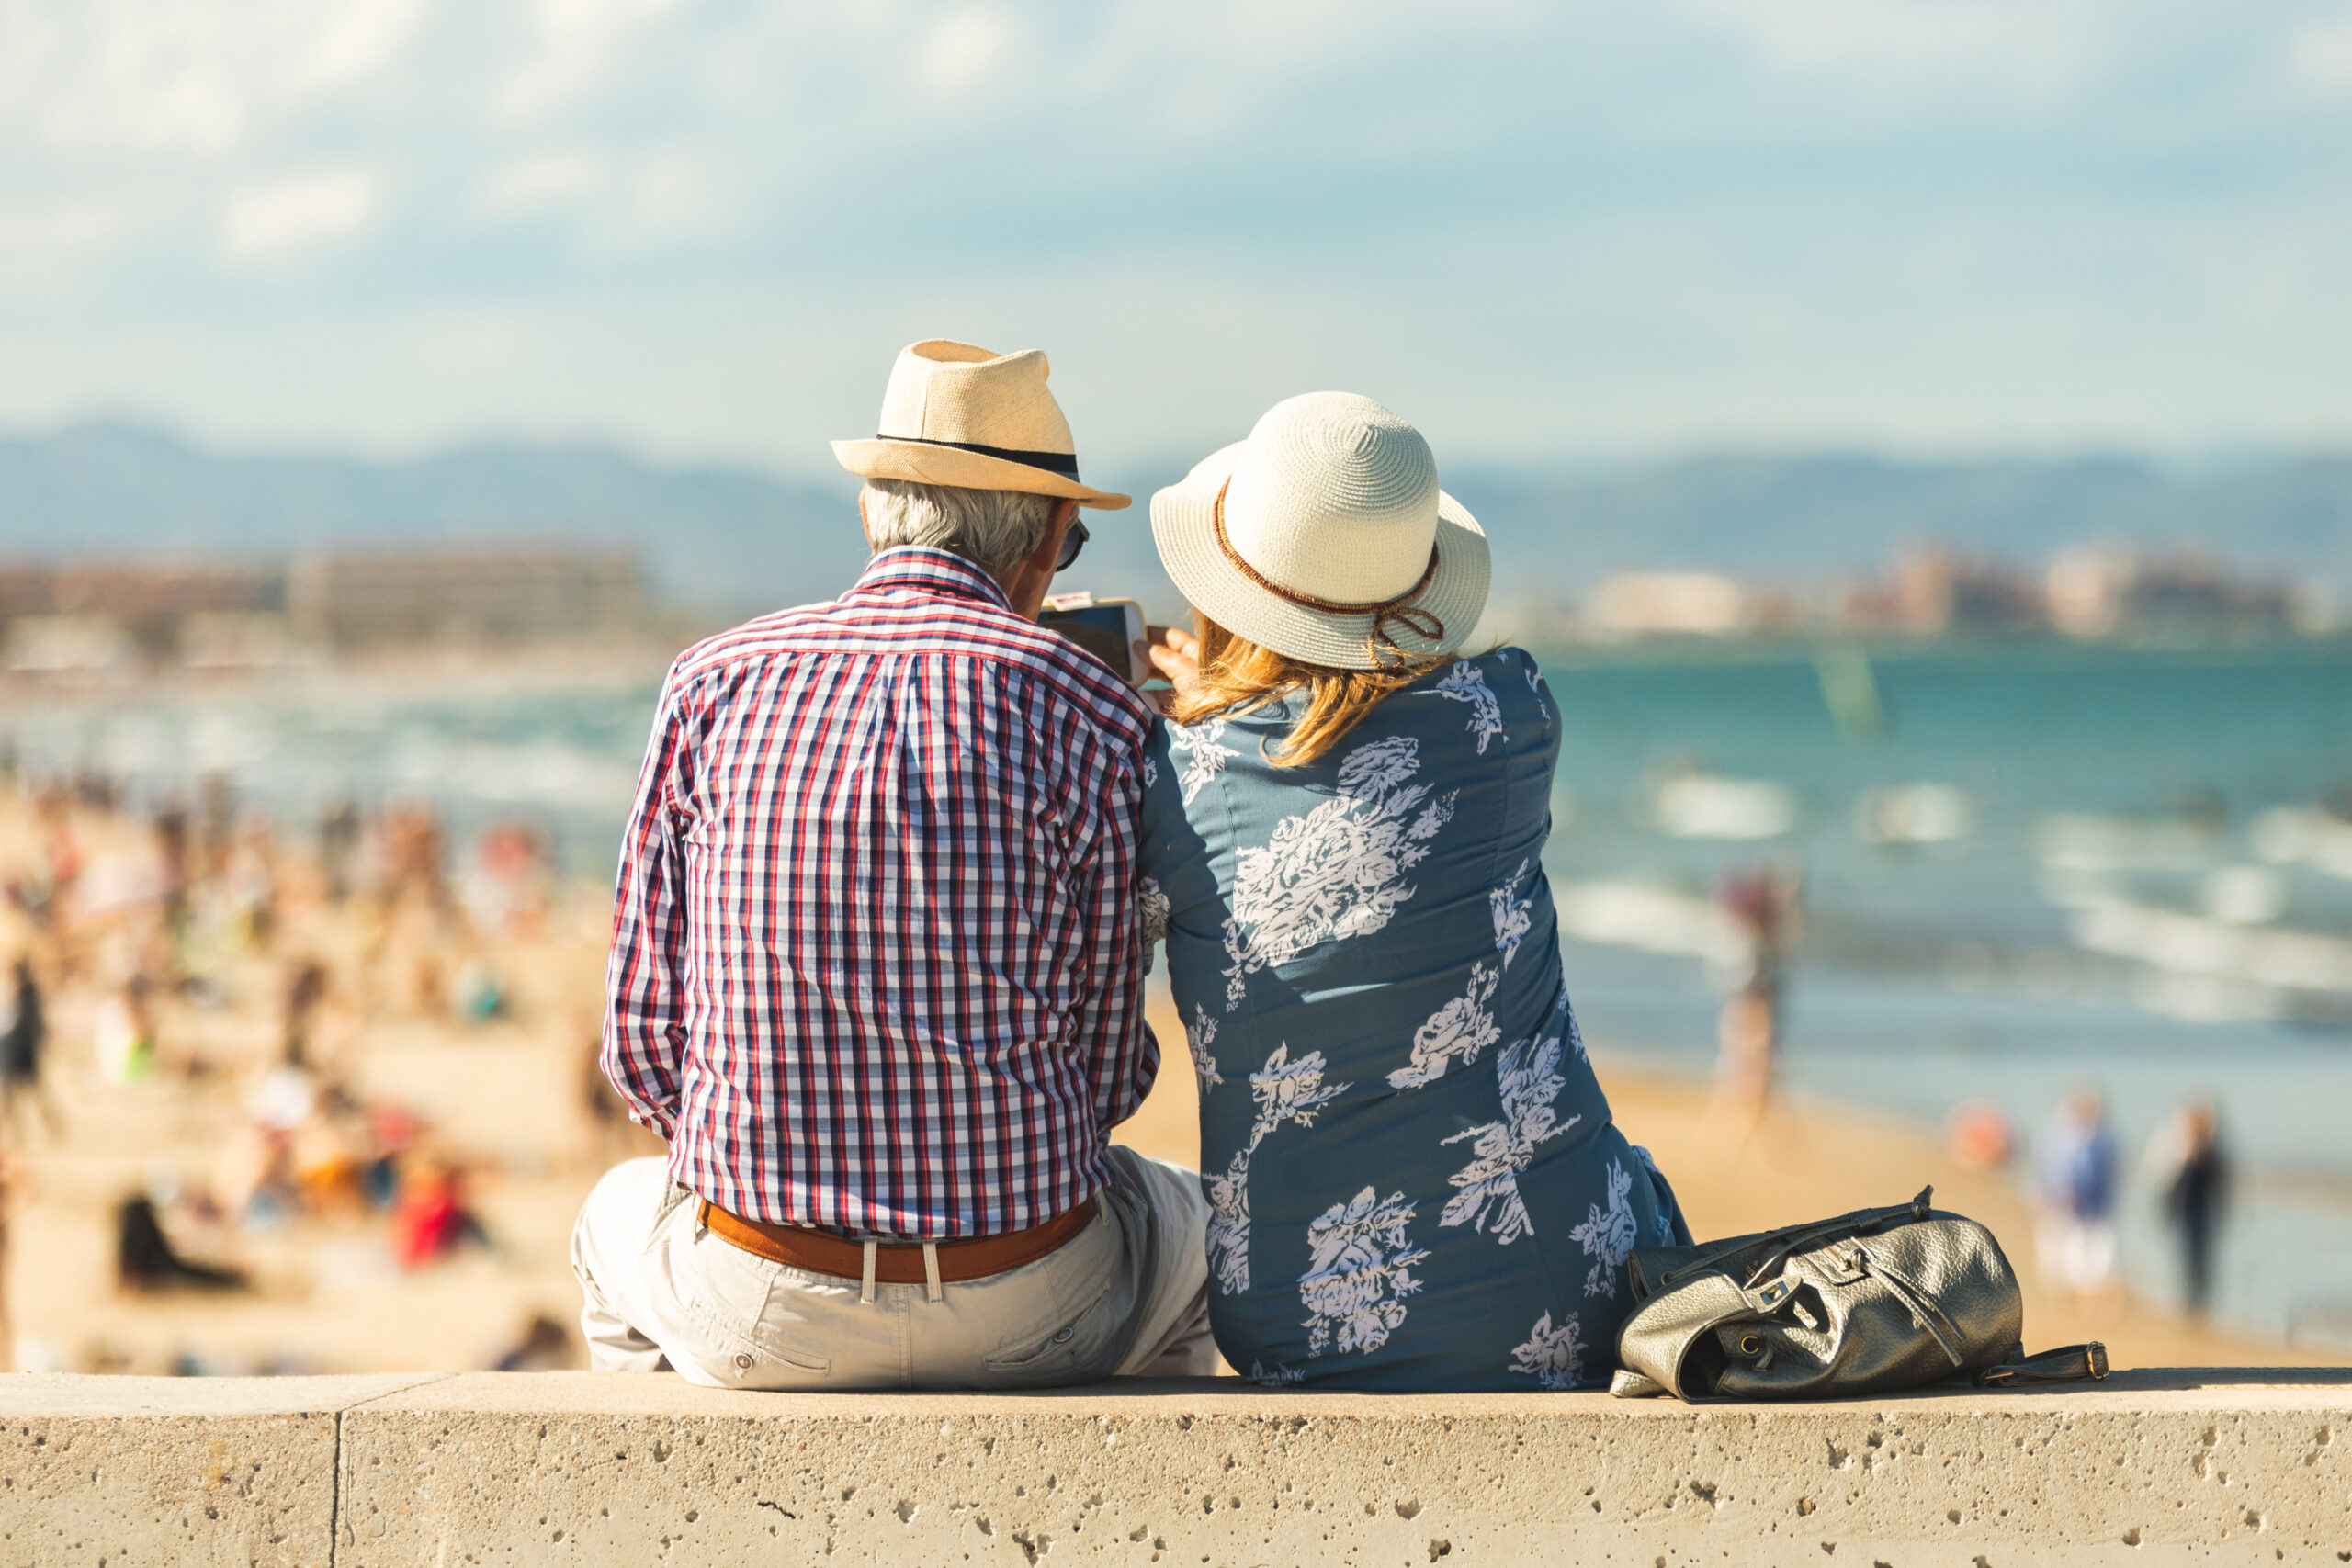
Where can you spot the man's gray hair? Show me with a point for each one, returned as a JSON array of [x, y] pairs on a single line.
[[996, 530]]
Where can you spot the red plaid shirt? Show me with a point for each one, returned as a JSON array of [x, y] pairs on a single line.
[[876, 960]]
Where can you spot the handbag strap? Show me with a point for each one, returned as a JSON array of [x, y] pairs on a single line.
[[1922, 1302], [1861, 1221], [2071, 1363]]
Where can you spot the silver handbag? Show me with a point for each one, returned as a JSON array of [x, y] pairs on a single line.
[[1875, 1299]]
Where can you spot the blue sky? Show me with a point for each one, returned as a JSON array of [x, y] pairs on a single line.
[[1539, 230]]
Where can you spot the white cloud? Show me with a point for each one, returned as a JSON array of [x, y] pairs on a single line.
[[357, 40], [299, 213], [117, 76], [1994, 46], [45, 248], [965, 47], [2321, 52], [540, 183], [188, 77], [577, 44], [676, 192]]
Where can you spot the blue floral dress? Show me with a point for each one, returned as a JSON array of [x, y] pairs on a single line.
[[1413, 1179]]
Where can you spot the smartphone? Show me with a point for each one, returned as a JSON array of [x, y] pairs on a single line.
[[1107, 628]]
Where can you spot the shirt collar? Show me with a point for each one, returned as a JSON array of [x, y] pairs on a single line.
[[926, 569]]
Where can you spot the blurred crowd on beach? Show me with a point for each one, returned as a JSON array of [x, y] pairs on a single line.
[[196, 1004]]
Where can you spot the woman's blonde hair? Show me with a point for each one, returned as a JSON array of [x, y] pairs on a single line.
[[1237, 675]]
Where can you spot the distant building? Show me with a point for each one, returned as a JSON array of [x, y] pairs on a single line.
[[108, 615], [375, 601], [56, 645], [235, 639], [144, 601], [26, 591], [2099, 593], [1655, 603], [1937, 593]]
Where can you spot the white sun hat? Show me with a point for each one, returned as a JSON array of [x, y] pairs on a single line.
[[1323, 537], [955, 414]]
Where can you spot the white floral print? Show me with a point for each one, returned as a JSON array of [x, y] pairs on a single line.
[[1150, 770], [1359, 1273], [1199, 1035], [1462, 1028], [1466, 683], [1203, 757], [1228, 1230], [1285, 1092], [1151, 904], [1488, 1198], [1530, 1081], [1514, 915], [1337, 872], [1609, 1234], [1290, 1091], [1553, 1357], [1535, 684]]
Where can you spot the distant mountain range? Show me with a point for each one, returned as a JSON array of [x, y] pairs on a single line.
[[734, 539]]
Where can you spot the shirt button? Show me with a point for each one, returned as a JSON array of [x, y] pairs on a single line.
[[743, 1362]]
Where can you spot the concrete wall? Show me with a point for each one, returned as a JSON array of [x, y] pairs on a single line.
[[133, 1471], [570, 1467]]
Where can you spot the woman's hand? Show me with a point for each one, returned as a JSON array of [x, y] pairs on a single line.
[[1176, 654]]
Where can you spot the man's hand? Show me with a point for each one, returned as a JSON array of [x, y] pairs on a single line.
[[1176, 654]]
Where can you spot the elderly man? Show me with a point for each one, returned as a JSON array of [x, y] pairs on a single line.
[[876, 970]]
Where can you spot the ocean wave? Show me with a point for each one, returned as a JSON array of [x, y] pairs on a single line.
[[2288, 835], [2077, 841], [1703, 806], [2197, 945], [1645, 915]]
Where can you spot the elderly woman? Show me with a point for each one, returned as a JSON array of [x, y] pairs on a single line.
[[1414, 1177]]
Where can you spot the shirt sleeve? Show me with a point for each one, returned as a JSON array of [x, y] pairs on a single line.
[[644, 1025], [1176, 879], [1121, 1052]]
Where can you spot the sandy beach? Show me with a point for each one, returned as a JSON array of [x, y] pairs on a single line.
[[507, 1101]]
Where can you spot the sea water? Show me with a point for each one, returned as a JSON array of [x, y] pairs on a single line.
[[2115, 860], [2026, 869]]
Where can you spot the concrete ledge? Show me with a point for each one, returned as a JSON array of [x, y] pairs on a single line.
[[572, 1468], [172, 1470]]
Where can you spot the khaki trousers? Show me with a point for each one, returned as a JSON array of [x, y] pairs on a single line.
[[1126, 1296]]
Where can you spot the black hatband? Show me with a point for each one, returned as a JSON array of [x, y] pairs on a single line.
[[1062, 463]]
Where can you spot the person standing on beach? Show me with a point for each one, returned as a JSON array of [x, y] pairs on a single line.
[[2077, 1181], [1760, 906], [2196, 1193], [877, 968], [22, 1036]]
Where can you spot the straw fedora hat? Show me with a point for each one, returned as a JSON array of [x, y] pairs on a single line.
[[1323, 537], [954, 414]]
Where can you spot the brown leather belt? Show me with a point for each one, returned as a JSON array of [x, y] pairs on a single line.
[[895, 1263]]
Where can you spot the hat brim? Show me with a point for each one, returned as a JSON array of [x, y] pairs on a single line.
[[1183, 524], [921, 462]]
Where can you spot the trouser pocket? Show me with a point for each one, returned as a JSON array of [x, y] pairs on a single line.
[[1066, 1314], [1070, 1347], [728, 1298]]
